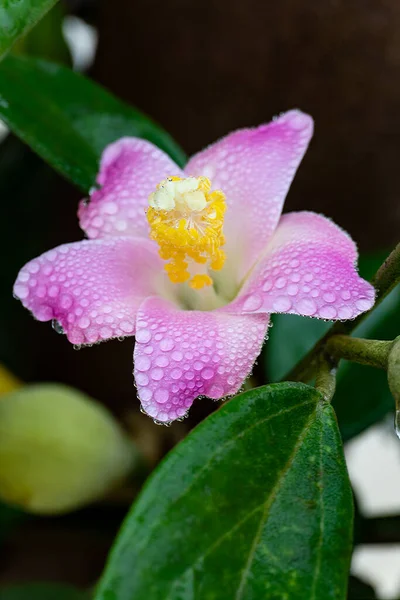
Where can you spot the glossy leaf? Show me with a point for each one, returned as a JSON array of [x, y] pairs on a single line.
[[68, 119], [254, 503], [42, 591], [362, 395], [17, 18]]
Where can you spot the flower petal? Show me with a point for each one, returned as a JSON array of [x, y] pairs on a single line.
[[308, 269], [180, 355], [254, 168], [130, 169], [92, 288]]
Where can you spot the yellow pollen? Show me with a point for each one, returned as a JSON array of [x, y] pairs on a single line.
[[186, 221]]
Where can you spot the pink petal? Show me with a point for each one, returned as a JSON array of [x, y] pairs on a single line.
[[130, 169], [254, 167], [92, 288], [308, 269], [180, 355]]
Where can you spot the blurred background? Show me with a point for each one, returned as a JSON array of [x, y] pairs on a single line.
[[202, 68]]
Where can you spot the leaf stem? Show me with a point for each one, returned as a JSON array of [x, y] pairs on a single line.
[[374, 353], [325, 380], [384, 280]]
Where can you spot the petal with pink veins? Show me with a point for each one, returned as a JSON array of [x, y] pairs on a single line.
[[254, 168], [92, 288], [180, 355], [308, 269], [130, 169]]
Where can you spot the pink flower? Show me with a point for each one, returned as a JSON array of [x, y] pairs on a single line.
[[192, 338]]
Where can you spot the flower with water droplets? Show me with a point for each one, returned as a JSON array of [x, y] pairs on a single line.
[[192, 262]]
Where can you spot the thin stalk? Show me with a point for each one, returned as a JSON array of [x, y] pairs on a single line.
[[325, 381], [374, 353]]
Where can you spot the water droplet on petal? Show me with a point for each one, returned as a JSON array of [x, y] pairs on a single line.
[[58, 328], [142, 363], [143, 336], [327, 312], [207, 373], [167, 344], [253, 302], [161, 395], [306, 306], [282, 304], [157, 374], [329, 297], [397, 423], [363, 304]]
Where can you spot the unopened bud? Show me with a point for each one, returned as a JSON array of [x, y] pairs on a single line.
[[59, 449]]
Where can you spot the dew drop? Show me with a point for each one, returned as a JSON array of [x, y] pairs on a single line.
[[252, 302], [58, 328], [282, 304], [329, 297], [21, 291], [161, 395], [327, 312], [363, 305], [143, 336], [143, 363], [157, 374], [167, 344], [207, 373], [397, 423], [306, 306], [176, 374]]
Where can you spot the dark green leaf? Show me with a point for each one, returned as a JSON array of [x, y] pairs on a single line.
[[68, 119], [254, 503], [46, 39], [18, 17], [290, 338], [362, 396], [42, 591]]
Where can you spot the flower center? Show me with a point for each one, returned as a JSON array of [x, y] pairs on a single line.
[[186, 221]]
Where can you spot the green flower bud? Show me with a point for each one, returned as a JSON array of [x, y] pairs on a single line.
[[59, 449]]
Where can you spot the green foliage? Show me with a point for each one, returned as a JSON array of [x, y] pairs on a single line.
[[362, 394], [254, 503], [46, 39], [18, 17], [42, 591], [67, 119]]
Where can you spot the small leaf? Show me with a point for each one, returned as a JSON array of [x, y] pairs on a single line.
[[42, 591], [17, 18], [68, 119], [254, 503]]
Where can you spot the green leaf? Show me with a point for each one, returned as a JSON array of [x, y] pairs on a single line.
[[254, 503], [68, 119], [42, 591], [18, 17], [362, 395]]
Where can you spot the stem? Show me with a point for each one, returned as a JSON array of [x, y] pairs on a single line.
[[374, 353], [384, 280], [325, 381]]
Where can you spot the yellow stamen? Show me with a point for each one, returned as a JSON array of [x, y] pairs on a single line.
[[186, 221]]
